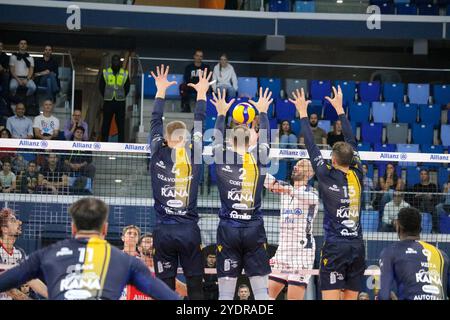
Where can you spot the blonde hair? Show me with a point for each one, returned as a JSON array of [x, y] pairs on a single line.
[[173, 127]]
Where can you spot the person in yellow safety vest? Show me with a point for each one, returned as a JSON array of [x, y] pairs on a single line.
[[114, 87]]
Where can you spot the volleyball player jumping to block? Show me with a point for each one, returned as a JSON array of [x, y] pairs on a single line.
[[296, 245], [240, 170], [175, 180], [342, 262]]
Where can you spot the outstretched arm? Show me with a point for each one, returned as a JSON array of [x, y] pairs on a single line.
[[222, 107], [17, 276], [315, 156], [156, 122]]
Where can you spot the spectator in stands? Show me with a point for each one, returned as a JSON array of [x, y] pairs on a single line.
[[320, 136], [288, 140], [21, 67], [21, 127], [335, 135], [54, 175], [368, 189], [424, 198], [391, 211], [79, 162], [46, 125], [29, 179], [363, 296], [130, 238], [71, 124], [444, 207], [210, 281], [225, 77], [145, 250], [7, 178], [46, 73], [4, 73], [6, 153], [114, 87], [191, 76], [243, 292], [389, 183]]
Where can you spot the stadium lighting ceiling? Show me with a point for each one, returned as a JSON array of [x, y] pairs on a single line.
[[112, 158], [118, 181], [339, 1]]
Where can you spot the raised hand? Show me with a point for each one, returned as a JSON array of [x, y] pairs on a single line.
[[222, 106], [300, 102], [161, 81], [202, 86], [264, 100], [336, 102]]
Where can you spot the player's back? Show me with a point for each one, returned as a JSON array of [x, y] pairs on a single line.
[[84, 269], [419, 269]]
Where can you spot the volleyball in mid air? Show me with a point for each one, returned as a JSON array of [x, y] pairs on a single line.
[[244, 113]]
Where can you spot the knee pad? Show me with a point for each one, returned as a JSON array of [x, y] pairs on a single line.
[[260, 287], [195, 287], [227, 287]]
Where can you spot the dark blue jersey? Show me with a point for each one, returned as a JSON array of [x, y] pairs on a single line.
[[85, 269], [175, 174], [341, 192], [419, 270], [240, 178]]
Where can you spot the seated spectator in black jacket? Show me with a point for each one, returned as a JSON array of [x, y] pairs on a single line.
[[29, 179], [46, 73], [210, 281], [79, 163], [54, 174], [191, 76]]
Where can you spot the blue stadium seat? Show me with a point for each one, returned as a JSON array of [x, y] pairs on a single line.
[[271, 111], [402, 1], [279, 5], [382, 112], [329, 113], [274, 85], [282, 171], [284, 110], [212, 174], [412, 176], [359, 112], [305, 6], [418, 93], [370, 220], [348, 90], [320, 89], [445, 134], [427, 148], [296, 126], [355, 127], [364, 146], [149, 86], [428, 10], [406, 9], [369, 91], [426, 222], [422, 133], [385, 147], [407, 148], [316, 107], [325, 125], [443, 174], [444, 223], [291, 85], [371, 132], [387, 8], [407, 113], [394, 92], [397, 133], [248, 87], [448, 11], [418, 2], [273, 124], [211, 110], [173, 92], [441, 93], [430, 114]]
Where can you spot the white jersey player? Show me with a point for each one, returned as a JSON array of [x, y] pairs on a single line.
[[296, 245]]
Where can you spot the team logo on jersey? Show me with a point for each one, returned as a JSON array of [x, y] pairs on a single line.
[[334, 276], [237, 195], [174, 204], [427, 253], [431, 277], [346, 233], [296, 211], [334, 188], [229, 264], [173, 192], [64, 252], [244, 216], [85, 280], [239, 206], [227, 169], [410, 251], [163, 265], [346, 212], [219, 248], [349, 224], [325, 262], [161, 164], [77, 295]]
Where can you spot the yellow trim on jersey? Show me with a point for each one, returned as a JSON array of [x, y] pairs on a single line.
[[436, 263], [183, 170], [250, 181], [96, 260], [354, 194]]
